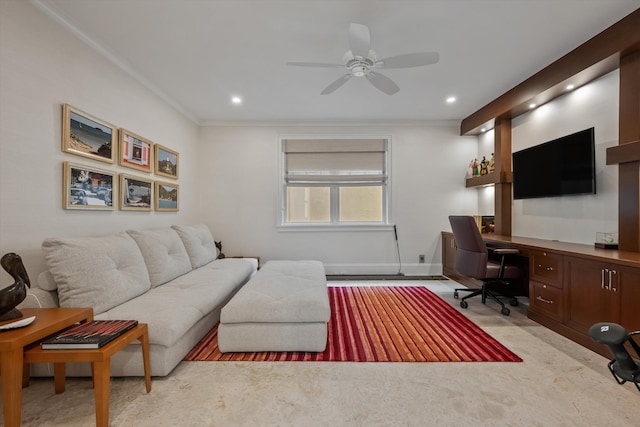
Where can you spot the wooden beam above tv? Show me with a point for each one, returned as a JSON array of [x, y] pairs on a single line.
[[594, 58]]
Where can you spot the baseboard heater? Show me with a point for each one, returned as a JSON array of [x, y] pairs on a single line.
[[334, 277]]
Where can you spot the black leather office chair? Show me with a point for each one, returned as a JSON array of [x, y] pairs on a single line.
[[623, 366], [472, 260]]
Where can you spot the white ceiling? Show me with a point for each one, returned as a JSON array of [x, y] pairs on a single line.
[[196, 54]]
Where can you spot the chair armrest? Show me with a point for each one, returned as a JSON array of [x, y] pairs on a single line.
[[504, 251]]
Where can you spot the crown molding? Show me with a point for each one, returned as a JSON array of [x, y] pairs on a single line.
[[306, 123], [49, 9]]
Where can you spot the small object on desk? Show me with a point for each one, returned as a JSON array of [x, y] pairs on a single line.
[[606, 240], [18, 324], [92, 334], [606, 245]]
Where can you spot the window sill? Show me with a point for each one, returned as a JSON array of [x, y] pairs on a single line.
[[285, 228]]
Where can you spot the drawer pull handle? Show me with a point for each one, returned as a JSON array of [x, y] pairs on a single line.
[[539, 298], [602, 279], [611, 273], [545, 268]]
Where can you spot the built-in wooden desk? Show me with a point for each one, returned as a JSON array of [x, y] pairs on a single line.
[[571, 285]]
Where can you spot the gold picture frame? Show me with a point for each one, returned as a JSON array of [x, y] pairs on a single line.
[[86, 187], [88, 136], [166, 196], [136, 193], [166, 161], [135, 151]]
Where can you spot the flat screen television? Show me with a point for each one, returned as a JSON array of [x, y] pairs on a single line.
[[560, 167]]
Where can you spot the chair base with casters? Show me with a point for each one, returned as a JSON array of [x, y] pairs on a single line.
[[513, 301], [623, 366], [503, 271]]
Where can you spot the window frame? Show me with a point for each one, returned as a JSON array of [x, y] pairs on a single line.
[[334, 194]]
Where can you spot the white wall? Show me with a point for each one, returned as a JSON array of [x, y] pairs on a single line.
[[228, 175], [42, 67], [572, 218], [486, 195], [239, 166]]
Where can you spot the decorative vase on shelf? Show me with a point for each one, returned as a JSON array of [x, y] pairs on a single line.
[[484, 166], [475, 167]]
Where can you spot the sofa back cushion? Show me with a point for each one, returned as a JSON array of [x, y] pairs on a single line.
[[100, 272], [164, 254], [198, 242], [46, 281]]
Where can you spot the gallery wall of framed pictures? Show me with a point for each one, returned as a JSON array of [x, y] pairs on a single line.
[[93, 188]]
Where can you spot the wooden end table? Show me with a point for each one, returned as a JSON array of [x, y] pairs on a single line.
[[100, 359], [48, 321], [257, 258]]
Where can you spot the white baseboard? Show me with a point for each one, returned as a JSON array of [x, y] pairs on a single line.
[[364, 269]]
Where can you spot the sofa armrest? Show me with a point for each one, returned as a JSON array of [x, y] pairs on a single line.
[[39, 298]]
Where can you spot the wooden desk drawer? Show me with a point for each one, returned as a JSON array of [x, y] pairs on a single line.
[[545, 299], [546, 267]]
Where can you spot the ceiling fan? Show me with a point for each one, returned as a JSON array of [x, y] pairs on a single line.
[[361, 61]]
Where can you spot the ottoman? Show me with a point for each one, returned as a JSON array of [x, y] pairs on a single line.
[[284, 307]]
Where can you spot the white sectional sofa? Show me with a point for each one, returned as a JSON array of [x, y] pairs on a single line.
[[168, 278]]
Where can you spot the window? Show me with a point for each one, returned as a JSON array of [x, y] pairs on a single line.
[[335, 181]]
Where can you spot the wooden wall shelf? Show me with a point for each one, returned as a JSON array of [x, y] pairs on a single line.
[[624, 153], [489, 179]]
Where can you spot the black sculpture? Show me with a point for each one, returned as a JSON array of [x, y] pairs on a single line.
[[219, 246], [14, 294], [623, 367]]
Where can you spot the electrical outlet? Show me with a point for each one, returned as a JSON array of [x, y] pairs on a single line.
[[421, 259]]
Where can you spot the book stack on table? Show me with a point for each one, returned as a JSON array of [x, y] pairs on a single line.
[[92, 334]]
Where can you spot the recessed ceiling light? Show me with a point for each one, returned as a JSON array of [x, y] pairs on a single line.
[[236, 100], [532, 105], [482, 129], [451, 99], [569, 87]]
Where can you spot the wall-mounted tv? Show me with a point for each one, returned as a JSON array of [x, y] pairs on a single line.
[[560, 167]]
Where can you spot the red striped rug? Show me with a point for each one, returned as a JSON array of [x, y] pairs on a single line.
[[384, 324]]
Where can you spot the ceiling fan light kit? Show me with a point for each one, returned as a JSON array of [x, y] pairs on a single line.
[[360, 61]]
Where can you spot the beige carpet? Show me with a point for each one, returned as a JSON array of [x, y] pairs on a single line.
[[559, 383]]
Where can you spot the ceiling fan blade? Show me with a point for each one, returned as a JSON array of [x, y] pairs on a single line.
[[359, 40], [383, 83], [314, 64], [336, 84], [409, 60]]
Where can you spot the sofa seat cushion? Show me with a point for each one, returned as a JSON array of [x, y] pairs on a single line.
[[164, 254], [199, 243], [100, 272], [173, 308], [282, 292]]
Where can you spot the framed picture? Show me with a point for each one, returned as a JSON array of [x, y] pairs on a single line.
[[135, 151], [85, 187], [166, 196], [166, 162], [135, 193], [88, 136]]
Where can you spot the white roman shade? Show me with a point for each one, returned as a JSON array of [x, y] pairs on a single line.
[[331, 161]]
